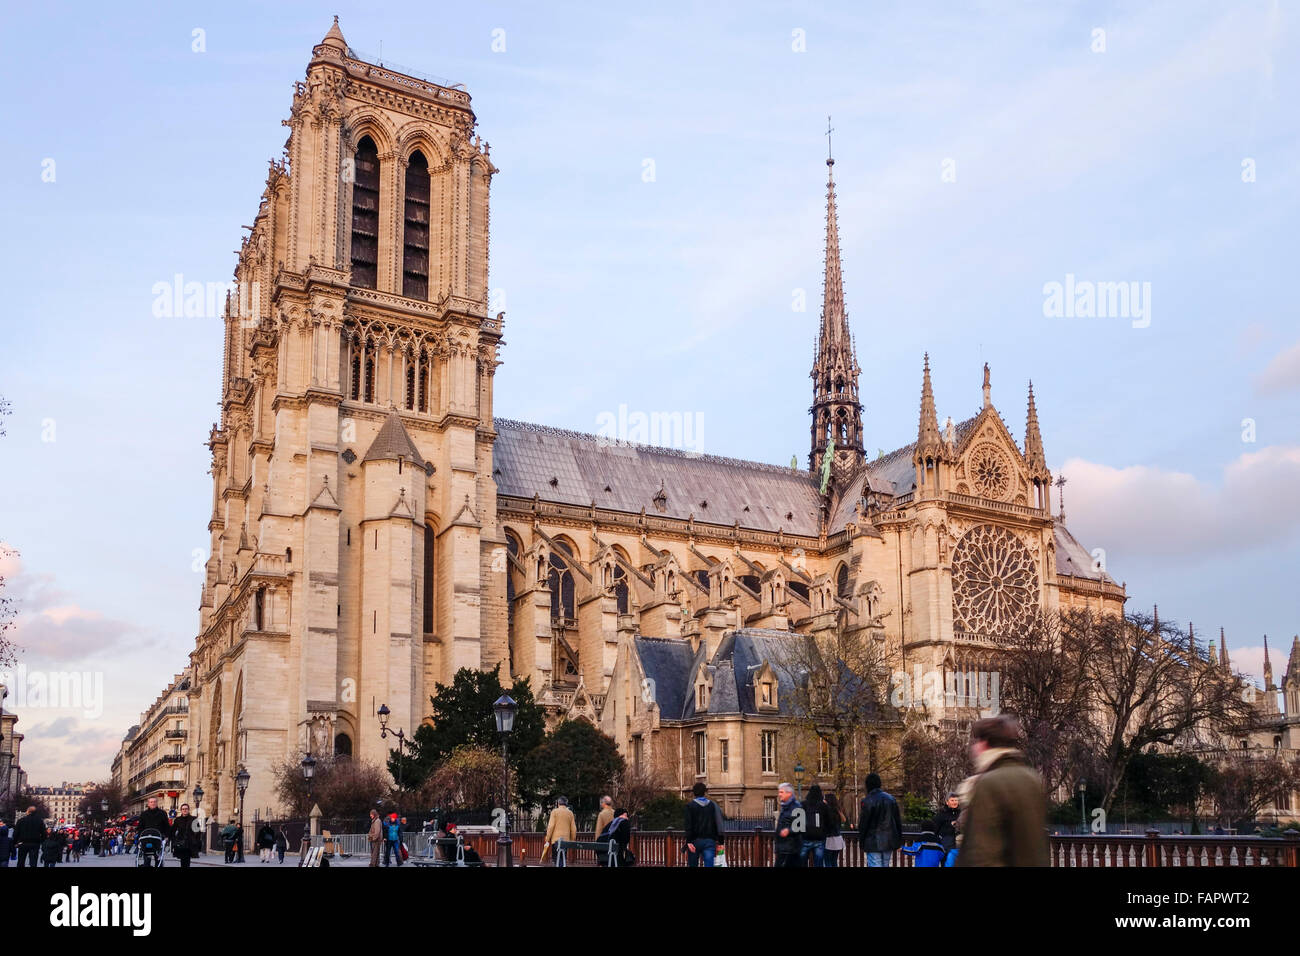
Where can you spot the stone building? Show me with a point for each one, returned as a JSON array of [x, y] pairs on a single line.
[[151, 760], [375, 526]]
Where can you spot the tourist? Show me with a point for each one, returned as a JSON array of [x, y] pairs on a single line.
[[375, 837], [606, 814], [393, 839], [788, 844], [281, 843], [880, 826], [834, 838], [52, 848], [6, 843], [618, 833], [944, 826], [704, 828], [1004, 821], [230, 839], [184, 836], [29, 834], [814, 836], [560, 826], [265, 842]]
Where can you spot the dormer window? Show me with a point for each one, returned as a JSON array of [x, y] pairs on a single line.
[[766, 698]]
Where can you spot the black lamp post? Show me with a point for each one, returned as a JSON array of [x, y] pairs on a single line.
[[103, 827], [241, 784], [1083, 806], [505, 709], [798, 778], [402, 744], [308, 772], [198, 811]]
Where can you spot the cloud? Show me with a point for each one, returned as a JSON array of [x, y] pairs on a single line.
[[1282, 374], [1145, 511]]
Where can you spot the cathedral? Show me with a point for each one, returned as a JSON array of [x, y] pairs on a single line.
[[375, 526]]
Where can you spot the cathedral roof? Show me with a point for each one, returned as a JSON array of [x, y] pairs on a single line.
[[573, 468], [1074, 559], [393, 441]]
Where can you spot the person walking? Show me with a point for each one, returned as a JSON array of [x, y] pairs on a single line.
[[619, 833], [606, 814], [52, 848], [704, 828], [29, 834], [790, 824], [393, 838], [834, 837], [944, 827], [814, 837], [6, 843], [560, 826], [229, 839], [375, 837], [265, 842], [184, 836], [880, 825], [1004, 821], [281, 844]]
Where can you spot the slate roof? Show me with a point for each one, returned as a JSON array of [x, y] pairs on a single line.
[[1073, 558], [574, 468], [393, 441], [669, 662]]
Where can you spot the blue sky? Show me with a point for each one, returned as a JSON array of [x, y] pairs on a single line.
[[1122, 164]]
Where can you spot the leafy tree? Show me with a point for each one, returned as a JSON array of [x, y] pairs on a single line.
[[576, 761], [470, 778], [463, 717], [664, 812], [344, 788], [90, 804]]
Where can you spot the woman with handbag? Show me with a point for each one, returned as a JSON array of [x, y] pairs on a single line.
[[184, 836], [834, 839]]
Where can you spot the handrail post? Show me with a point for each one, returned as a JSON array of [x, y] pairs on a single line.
[[1153, 847], [756, 859]]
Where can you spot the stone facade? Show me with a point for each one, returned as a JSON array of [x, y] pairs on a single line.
[[375, 527]]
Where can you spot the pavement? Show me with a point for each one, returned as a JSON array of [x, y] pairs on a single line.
[[251, 861]]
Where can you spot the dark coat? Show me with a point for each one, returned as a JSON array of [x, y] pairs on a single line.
[[880, 825], [785, 819], [944, 826], [266, 838], [1006, 822], [703, 821], [29, 829], [6, 842], [155, 819], [815, 821], [619, 832], [183, 835]]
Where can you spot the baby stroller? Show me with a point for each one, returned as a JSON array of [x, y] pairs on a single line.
[[150, 843], [926, 851]]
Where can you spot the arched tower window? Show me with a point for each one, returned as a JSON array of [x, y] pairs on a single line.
[[842, 586], [368, 372], [342, 745], [620, 589], [410, 385], [415, 253], [560, 579], [365, 216]]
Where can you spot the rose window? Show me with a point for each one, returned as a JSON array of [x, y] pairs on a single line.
[[994, 581], [990, 472]]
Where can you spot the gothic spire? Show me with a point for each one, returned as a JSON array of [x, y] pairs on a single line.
[[1223, 650], [1034, 456], [1268, 667], [927, 433], [836, 411]]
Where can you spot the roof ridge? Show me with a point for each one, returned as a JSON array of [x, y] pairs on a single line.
[[658, 449]]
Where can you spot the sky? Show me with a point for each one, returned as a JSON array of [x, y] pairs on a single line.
[[657, 240]]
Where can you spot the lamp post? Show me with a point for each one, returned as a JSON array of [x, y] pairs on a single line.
[[241, 784], [1083, 806], [308, 772], [103, 826], [505, 709], [798, 778], [402, 743], [198, 811]]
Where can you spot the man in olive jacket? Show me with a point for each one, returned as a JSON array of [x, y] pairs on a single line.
[[1005, 818]]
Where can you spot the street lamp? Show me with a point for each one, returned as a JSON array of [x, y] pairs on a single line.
[[241, 784], [505, 709], [1083, 806], [198, 813], [402, 744], [798, 778], [103, 826]]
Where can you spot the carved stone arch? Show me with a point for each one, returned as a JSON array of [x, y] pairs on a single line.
[[417, 134], [365, 121]]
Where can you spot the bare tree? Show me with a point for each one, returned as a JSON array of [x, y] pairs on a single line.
[[1045, 683], [1149, 683], [1247, 781], [840, 690], [8, 612], [933, 761]]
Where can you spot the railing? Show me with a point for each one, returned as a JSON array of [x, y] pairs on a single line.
[[175, 733], [1004, 506], [754, 848]]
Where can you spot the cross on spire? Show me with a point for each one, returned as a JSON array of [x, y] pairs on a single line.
[[830, 157]]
